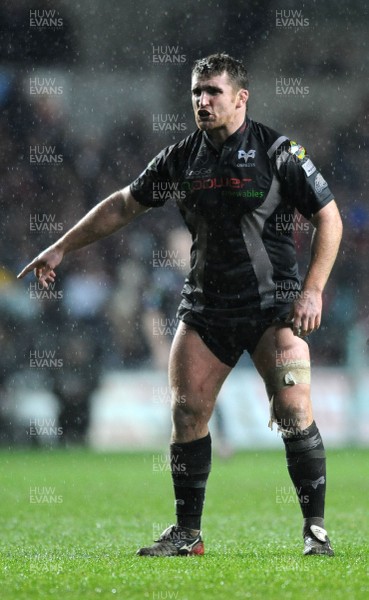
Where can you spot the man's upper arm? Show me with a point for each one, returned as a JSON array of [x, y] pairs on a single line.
[[153, 186], [303, 185], [132, 207], [328, 214]]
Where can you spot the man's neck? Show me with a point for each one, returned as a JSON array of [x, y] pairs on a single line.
[[219, 136]]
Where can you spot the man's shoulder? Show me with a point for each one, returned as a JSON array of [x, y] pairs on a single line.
[[268, 137], [184, 145]]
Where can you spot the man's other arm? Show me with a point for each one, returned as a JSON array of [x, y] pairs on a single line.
[[326, 239], [105, 218]]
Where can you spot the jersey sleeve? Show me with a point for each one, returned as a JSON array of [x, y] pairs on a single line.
[[302, 184], [155, 185]]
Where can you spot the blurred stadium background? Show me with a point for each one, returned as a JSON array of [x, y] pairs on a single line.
[[88, 94]]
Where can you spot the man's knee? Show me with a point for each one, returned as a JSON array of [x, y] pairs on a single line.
[[289, 374], [188, 412], [290, 411]]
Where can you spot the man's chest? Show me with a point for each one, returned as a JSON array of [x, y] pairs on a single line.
[[232, 181]]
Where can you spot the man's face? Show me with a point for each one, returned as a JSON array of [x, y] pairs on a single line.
[[215, 102]]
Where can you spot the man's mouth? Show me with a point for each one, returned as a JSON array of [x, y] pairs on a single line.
[[203, 114]]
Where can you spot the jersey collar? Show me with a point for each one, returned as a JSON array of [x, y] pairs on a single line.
[[232, 139]]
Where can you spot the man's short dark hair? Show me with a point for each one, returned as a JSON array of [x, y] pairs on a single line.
[[216, 64]]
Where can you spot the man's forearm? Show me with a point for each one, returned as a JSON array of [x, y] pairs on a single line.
[[108, 216], [105, 218], [324, 248]]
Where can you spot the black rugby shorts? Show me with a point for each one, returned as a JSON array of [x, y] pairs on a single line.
[[229, 340]]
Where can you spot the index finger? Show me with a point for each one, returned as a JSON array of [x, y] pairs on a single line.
[[27, 269]]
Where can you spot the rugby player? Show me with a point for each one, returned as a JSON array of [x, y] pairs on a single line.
[[235, 182]]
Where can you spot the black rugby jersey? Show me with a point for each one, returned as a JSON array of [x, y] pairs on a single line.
[[239, 204]]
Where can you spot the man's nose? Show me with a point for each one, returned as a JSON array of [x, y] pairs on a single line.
[[204, 99]]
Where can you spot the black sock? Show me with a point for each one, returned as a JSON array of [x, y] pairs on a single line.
[[306, 465], [190, 465]]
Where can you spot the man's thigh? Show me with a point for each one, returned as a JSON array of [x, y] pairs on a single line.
[[196, 376], [277, 346], [195, 373]]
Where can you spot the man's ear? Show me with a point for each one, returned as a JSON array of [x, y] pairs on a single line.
[[242, 98]]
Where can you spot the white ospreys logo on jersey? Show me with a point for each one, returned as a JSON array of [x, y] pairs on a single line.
[[320, 183], [242, 155], [246, 155]]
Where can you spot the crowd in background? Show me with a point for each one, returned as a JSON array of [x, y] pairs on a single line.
[[98, 315]]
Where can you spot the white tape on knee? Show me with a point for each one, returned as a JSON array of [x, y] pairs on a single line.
[[278, 378], [291, 373]]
